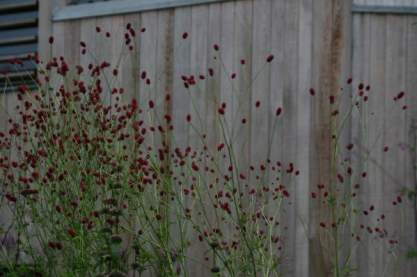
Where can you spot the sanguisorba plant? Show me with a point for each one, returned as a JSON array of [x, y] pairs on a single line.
[[98, 187], [90, 192], [346, 219]]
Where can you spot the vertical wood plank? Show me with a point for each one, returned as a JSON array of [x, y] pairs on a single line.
[[320, 150], [198, 96], [88, 36], [329, 36], [363, 134], [213, 83], [226, 62], [198, 66], [241, 105], [72, 41], [181, 105], [225, 59], [131, 59], [148, 55], [119, 55], [301, 192], [261, 43], [410, 208], [277, 82], [212, 98], [180, 101], [45, 28], [104, 53], [395, 133], [164, 71], [59, 33], [6, 215], [259, 98], [357, 72], [290, 125], [58, 50], [376, 119]]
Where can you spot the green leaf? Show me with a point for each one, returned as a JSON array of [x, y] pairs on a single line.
[[412, 254]]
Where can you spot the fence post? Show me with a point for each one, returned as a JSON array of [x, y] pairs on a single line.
[[331, 66]]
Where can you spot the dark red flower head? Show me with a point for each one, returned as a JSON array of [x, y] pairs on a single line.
[[269, 58], [134, 104], [71, 232], [279, 111]]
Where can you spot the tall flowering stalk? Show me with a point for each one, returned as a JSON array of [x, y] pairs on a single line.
[[345, 213], [98, 187]]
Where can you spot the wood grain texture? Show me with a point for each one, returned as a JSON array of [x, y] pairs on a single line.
[[242, 43], [304, 142], [164, 69], [375, 112], [309, 51], [361, 73], [72, 12], [387, 2], [45, 28], [260, 117], [104, 53], [290, 91], [147, 54], [181, 104], [227, 67], [410, 210], [118, 56], [5, 209], [383, 57], [198, 97], [131, 59]]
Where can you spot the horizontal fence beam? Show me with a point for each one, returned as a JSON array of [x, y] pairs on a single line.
[[131, 6], [380, 9], [121, 7]]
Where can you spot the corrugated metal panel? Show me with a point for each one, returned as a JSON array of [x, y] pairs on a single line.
[[10, 5], [14, 20], [21, 35], [18, 39]]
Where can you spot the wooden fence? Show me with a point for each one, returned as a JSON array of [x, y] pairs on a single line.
[[316, 44], [384, 56]]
